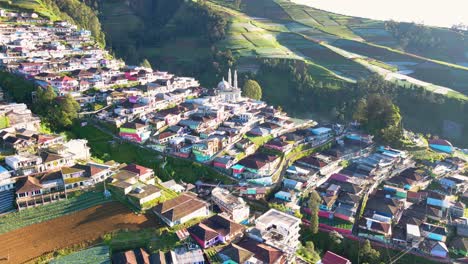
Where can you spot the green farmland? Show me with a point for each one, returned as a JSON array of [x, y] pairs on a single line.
[[47, 212]]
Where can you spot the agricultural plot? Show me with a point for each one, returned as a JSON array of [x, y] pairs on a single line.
[[438, 74], [377, 53], [265, 9], [94, 255], [29, 5], [426, 71], [325, 57], [47, 212], [317, 19], [84, 226]]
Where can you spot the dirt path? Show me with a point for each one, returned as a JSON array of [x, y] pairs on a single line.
[[33, 241]]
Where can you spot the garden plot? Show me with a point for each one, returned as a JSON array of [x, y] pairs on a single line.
[[94, 255]]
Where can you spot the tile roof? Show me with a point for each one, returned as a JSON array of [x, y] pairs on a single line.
[[262, 252], [138, 169], [28, 184], [236, 253], [180, 206], [332, 258]]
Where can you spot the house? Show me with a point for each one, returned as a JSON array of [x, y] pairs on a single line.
[[258, 165], [322, 132], [180, 255], [438, 199], [277, 229], [325, 164], [434, 248], [164, 138], [332, 258], [224, 163], [53, 161], [455, 183], [64, 85], [84, 175], [279, 145], [181, 209], [457, 209], [204, 151], [441, 145], [24, 164], [408, 179], [135, 131], [459, 246], [214, 230], [292, 184], [433, 232], [135, 256], [172, 185], [144, 174], [235, 207], [286, 196], [377, 228], [386, 207], [143, 194], [236, 254], [262, 252], [44, 188]]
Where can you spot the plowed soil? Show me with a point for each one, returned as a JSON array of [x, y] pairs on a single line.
[[24, 244]]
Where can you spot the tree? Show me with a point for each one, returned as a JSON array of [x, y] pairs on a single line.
[[252, 90], [336, 241], [44, 100], [308, 252], [145, 63], [69, 109], [368, 254], [314, 203], [379, 116]]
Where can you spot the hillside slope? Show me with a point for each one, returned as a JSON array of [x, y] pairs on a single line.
[[308, 61]]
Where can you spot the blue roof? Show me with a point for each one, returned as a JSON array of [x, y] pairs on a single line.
[[320, 130], [237, 167], [2, 169], [290, 182]]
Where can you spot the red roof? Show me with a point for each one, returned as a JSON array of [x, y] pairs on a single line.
[[332, 258], [140, 170], [339, 177]]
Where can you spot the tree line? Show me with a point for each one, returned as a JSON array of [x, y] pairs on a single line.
[[291, 84], [58, 112]]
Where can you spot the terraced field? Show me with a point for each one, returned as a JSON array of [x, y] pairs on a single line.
[[44, 213], [27, 243], [283, 29]]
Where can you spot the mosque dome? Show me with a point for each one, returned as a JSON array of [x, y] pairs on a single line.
[[224, 85]]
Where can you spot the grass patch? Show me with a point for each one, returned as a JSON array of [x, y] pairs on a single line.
[[259, 141]]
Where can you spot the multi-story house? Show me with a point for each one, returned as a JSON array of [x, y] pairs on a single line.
[[278, 229], [235, 207]]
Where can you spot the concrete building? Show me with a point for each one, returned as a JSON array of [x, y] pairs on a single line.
[[235, 207], [278, 229]]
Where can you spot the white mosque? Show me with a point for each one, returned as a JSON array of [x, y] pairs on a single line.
[[229, 91]]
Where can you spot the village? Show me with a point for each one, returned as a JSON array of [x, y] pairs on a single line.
[[274, 162]]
